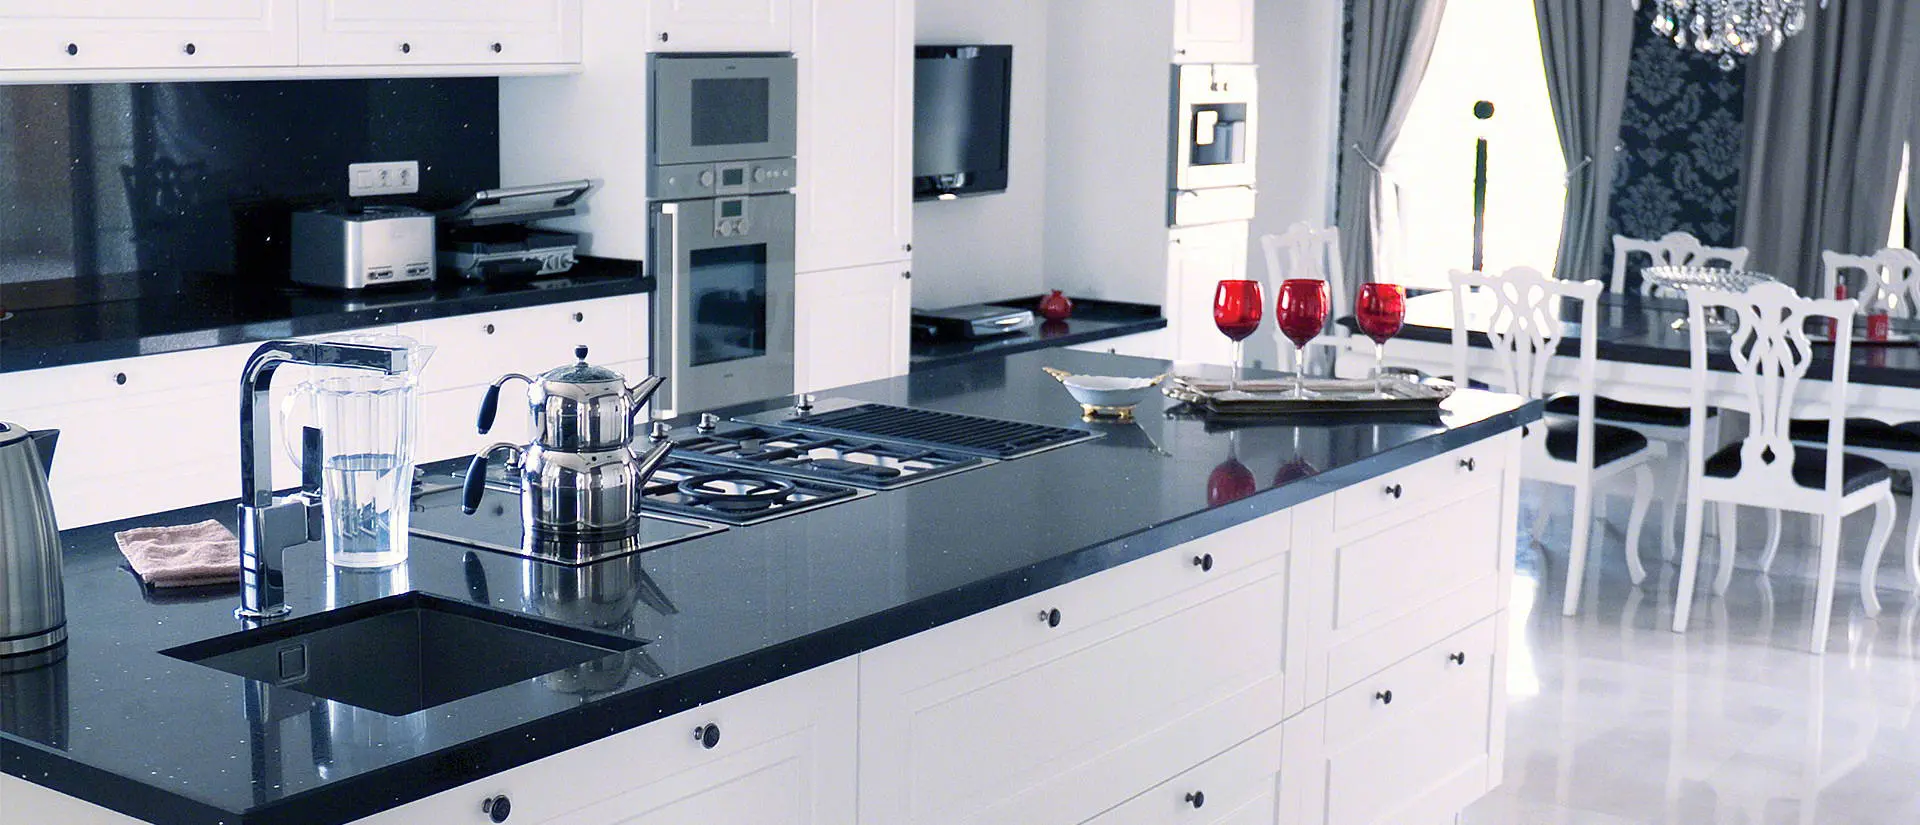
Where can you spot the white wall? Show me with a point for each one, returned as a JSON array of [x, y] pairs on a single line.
[[989, 247], [1297, 45]]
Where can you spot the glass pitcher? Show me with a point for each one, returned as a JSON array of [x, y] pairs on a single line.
[[368, 423]]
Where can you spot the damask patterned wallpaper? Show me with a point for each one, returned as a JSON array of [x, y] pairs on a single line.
[[1680, 144]]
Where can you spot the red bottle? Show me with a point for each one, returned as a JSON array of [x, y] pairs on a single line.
[[1056, 307], [1878, 321]]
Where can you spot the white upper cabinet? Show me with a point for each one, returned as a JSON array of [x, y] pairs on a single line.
[[850, 325], [721, 25], [137, 34], [1213, 31], [855, 190], [1198, 259], [439, 32]]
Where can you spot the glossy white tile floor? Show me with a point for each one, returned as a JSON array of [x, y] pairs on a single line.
[[1615, 720]]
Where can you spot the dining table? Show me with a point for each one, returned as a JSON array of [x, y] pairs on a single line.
[[1645, 359]]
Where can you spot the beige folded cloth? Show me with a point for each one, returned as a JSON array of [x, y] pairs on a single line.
[[182, 556]]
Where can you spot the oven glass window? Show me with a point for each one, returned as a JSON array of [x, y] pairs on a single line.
[[729, 298], [730, 111]]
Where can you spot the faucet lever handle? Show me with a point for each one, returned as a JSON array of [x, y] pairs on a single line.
[[312, 455]]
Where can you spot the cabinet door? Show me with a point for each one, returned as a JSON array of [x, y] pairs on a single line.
[[1140, 345], [1239, 787], [439, 32], [1198, 259], [1213, 31], [850, 325], [854, 198], [721, 26], [139, 34]]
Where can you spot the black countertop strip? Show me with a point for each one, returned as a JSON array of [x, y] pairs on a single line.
[[118, 724], [1092, 320], [170, 314]]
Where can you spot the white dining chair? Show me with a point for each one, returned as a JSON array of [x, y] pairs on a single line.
[[1307, 251], [1890, 273], [1672, 249], [1771, 353], [1525, 329]]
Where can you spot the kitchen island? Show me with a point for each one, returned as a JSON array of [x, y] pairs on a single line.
[[1284, 621]]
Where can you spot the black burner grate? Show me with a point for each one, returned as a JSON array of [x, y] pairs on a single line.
[[992, 437]]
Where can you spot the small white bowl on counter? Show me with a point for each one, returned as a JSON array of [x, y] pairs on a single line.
[[1106, 396]]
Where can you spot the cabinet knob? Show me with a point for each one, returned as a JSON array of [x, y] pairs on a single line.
[[1466, 464], [1393, 490], [497, 808], [1204, 561], [1459, 658], [120, 378], [906, 275], [73, 48], [498, 48], [663, 37], [1385, 697], [906, 247], [406, 48], [579, 316], [192, 49], [488, 329], [1197, 798], [708, 735], [1051, 617]]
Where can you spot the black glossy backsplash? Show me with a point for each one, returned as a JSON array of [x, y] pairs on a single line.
[[102, 185]]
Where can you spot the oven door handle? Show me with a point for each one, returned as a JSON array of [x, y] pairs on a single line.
[[667, 250]]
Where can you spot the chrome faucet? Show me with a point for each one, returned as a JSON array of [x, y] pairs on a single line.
[[269, 524]]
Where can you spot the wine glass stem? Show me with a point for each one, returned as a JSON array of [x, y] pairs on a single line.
[[1299, 371], [1233, 378], [1380, 368]]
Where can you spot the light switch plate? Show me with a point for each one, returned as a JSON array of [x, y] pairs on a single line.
[[401, 177]]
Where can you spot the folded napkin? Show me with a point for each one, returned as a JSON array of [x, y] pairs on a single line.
[[182, 556]]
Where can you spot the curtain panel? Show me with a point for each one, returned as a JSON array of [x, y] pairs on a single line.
[[1391, 43], [1586, 47]]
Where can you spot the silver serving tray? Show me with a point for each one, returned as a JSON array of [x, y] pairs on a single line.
[[1274, 396]]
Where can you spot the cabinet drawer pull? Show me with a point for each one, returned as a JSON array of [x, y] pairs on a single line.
[[1459, 658], [497, 808], [1051, 617], [73, 49], [192, 49], [497, 48], [1393, 490], [406, 48], [1204, 562], [120, 378], [579, 317], [488, 329], [708, 735], [1466, 464], [1385, 697], [1197, 798]]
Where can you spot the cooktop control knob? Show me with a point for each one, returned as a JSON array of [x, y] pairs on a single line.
[[706, 177], [708, 423], [661, 430], [759, 176]]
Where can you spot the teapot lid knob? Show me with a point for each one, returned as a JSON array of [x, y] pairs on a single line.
[[580, 352]]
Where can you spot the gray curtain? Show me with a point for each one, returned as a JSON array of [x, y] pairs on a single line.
[[1392, 40], [1826, 117], [1587, 47]]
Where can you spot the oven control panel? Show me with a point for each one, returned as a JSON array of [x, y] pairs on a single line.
[[707, 180]]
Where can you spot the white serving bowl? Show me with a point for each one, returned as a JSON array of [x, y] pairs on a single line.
[[1106, 395]]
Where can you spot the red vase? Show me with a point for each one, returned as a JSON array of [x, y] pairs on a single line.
[[1056, 307]]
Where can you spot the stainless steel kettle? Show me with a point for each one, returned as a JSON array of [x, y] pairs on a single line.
[[33, 613], [577, 407], [592, 495]]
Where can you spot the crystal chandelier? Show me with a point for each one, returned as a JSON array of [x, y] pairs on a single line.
[[1731, 29]]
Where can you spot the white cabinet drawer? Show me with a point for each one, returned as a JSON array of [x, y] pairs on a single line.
[[1429, 751], [1408, 492], [476, 349], [974, 722], [1399, 590], [122, 378], [145, 34], [1239, 787], [1154, 344], [439, 32], [785, 755]]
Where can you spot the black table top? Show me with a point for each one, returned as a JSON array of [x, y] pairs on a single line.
[[169, 314], [121, 725], [1639, 329], [1092, 320]]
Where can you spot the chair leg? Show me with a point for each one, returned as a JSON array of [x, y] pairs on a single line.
[[1824, 581], [1773, 541], [1642, 498], [1577, 549], [1669, 547], [1883, 515], [1913, 543], [1539, 523], [1689, 561], [1729, 516]]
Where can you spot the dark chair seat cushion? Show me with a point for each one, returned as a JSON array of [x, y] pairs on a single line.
[[1610, 443], [1862, 432], [1809, 468], [1607, 409]]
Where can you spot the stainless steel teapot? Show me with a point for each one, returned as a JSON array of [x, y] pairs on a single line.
[[32, 598], [578, 407]]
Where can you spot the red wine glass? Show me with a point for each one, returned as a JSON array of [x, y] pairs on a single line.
[[1236, 311], [1302, 316], [1381, 310]]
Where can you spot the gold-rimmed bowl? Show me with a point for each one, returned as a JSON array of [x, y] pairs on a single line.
[[1106, 396]]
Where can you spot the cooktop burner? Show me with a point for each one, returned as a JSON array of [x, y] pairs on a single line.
[[735, 495], [495, 525], [862, 462]]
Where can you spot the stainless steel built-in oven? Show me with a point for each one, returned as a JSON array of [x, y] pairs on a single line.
[[723, 305], [1214, 141]]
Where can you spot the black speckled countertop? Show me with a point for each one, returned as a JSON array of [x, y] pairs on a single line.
[[180, 313], [119, 724], [1092, 320]]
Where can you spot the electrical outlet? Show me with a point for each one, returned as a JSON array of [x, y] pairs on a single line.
[[401, 177]]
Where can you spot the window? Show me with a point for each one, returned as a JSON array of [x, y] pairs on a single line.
[[1486, 50]]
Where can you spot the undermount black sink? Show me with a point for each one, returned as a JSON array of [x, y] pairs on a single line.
[[403, 653]]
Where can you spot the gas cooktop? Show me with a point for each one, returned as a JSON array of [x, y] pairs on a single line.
[[734, 495], [496, 524], [957, 432], [862, 462]]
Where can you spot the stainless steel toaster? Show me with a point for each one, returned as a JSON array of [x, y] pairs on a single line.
[[375, 246]]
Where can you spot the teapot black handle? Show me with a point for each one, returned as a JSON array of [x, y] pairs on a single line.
[[490, 403], [475, 485]]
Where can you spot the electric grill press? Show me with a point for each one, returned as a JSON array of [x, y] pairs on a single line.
[[487, 237]]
